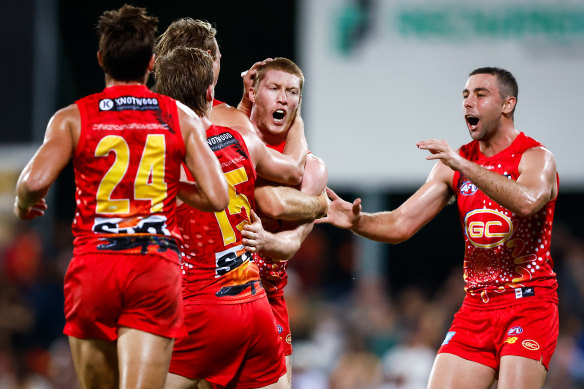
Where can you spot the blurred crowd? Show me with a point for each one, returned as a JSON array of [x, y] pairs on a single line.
[[349, 331]]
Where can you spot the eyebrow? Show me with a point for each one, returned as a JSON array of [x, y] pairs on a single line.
[[475, 90]]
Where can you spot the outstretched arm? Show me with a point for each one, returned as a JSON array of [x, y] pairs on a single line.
[[44, 167], [535, 186], [400, 224]]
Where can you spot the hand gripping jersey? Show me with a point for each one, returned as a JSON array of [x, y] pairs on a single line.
[[127, 169], [507, 257], [273, 271], [216, 267]]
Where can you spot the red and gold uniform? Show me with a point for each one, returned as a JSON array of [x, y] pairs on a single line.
[[125, 258], [510, 306], [232, 338], [274, 276]]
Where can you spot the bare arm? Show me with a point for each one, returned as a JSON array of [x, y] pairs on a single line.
[[272, 165], [286, 203], [535, 186], [202, 163], [285, 243], [400, 224], [44, 167]]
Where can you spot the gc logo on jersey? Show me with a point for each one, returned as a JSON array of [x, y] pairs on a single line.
[[468, 188], [487, 228]]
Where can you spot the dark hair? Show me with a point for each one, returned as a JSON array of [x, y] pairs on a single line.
[[507, 82], [185, 74], [190, 33], [282, 64], [126, 42]]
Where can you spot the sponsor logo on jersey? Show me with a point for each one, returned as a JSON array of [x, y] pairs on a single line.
[[487, 228], [511, 340], [221, 141], [515, 331], [524, 292], [530, 344], [289, 338], [153, 224], [280, 329], [448, 337], [468, 188], [129, 103]]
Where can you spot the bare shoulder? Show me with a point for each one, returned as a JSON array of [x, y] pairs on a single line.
[[65, 122], [315, 176], [228, 116]]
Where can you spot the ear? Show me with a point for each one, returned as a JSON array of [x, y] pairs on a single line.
[[151, 63], [210, 94], [99, 58], [509, 104], [251, 94]]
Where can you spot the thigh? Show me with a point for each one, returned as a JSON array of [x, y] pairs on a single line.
[[521, 373], [215, 346], [453, 372], [143, 359], [280, 312], [264, 362], [530, 331], [92, 297], [96, 362]]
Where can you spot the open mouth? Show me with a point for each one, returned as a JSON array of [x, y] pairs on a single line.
[[279, 115], [472, 120]]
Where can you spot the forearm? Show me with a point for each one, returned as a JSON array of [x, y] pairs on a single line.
[[506, 192], [284, 244], [380, 227], [286, 203], [189, 193], [296, 145]]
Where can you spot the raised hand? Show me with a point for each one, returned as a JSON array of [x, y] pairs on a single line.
[[440, 149], [341, 213]]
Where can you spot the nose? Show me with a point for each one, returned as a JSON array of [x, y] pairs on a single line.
[[282, 98], [467, 102]]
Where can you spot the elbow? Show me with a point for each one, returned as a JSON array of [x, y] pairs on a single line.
[[530, 206], [296, 177]]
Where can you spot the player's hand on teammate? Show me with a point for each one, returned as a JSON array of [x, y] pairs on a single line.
[[341, 213], [253, 234], [248, 77], [440, 149], [36, 210]]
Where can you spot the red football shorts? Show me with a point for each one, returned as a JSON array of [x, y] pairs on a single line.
[[484, 336], [231, 345], [280, 310], [106, 291]]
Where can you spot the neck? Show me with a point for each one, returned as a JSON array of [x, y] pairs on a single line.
[[109, 81], [501, 139]]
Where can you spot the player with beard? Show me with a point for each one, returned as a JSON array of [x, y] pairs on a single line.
[[506, 186]]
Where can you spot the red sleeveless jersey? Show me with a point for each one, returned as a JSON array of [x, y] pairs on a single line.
[[272, 270], [216, 268], [507, 257], [216, 102], [127, 169]]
